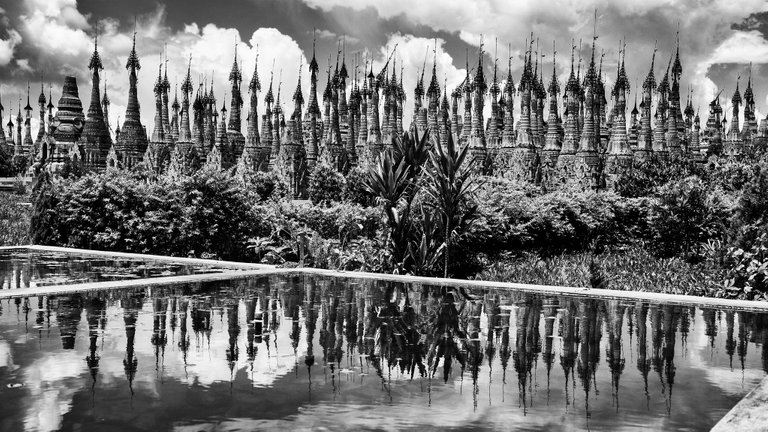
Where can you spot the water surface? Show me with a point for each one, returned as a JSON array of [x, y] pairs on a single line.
[[304, 352], [23, 268]]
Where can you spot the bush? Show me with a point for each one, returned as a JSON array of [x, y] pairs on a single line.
[[326, 185], [204, 215], [14, 219], [355, 190], [645, 178], [265, 185], [686, 215], [519, 219]]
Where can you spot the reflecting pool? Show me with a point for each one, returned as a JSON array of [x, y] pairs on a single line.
[[23, 268], [304, 352]]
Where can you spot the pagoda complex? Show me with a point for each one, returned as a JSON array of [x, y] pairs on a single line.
[[578, 134]]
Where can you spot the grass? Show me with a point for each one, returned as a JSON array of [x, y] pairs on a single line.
[[633, 269], [15, 213]]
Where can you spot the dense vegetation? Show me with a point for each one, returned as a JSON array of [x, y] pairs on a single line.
[[670, 226]]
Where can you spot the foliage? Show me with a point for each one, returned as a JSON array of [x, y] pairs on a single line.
[[511, 219], [6, 167], [204, 215], [633, 269], [686, 215], [14, 219], [355, 190], [326, 185], [645, 177], [265, 185], [450, 186]]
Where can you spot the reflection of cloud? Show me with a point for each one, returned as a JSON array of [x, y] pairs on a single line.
[[51, 382], [6, 356]]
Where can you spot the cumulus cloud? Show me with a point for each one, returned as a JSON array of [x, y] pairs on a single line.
[[7, 46]]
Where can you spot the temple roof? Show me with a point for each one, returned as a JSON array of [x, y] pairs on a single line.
[[28, 107], [234, 73]]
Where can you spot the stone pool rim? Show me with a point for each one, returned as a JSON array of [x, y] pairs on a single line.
[[240, 270], [743, 414]]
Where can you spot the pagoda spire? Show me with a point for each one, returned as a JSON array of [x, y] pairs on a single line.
[[158, 134], [185, 135], [479, 87], [98, 140], [28, 141], [105, 102], [253, 140], [132, 143], [165, 97], [3, 141], [508, 134], [644, 136], [41, 101], [236, 78], [175, 114]]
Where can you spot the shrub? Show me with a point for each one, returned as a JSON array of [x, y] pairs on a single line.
[[645, 178], [14, 219], [206, 214], [686, 215], [265, 185], [355, 190], [326, 185]]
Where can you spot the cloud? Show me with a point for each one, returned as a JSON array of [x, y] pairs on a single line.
[[7, 46]]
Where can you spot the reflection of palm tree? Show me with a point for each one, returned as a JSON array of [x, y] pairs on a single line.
[[445, 335]]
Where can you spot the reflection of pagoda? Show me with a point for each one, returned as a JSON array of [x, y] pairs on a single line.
[[589, 346], [159, 338], [68, 311], [527, 344], [183, 337], [250, 316], [569, 335], [730, 343], [643, 363], [95, 312], [550, 314], [614, 352], [131, 306], [669, 328], [233, 331]]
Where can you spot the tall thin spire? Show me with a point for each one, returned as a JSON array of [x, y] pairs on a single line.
[[132, 142], [96, 134]]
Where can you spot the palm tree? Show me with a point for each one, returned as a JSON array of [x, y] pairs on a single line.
[[450, 185], [392, 179]]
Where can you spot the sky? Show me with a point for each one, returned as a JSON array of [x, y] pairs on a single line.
[[41, 41]]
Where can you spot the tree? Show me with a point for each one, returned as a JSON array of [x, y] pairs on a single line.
[[450, 185]]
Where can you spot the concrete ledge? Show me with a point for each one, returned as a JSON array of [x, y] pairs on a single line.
[[249, 269], [650, 297], [750, 414], [132, 283], [191, 261]]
